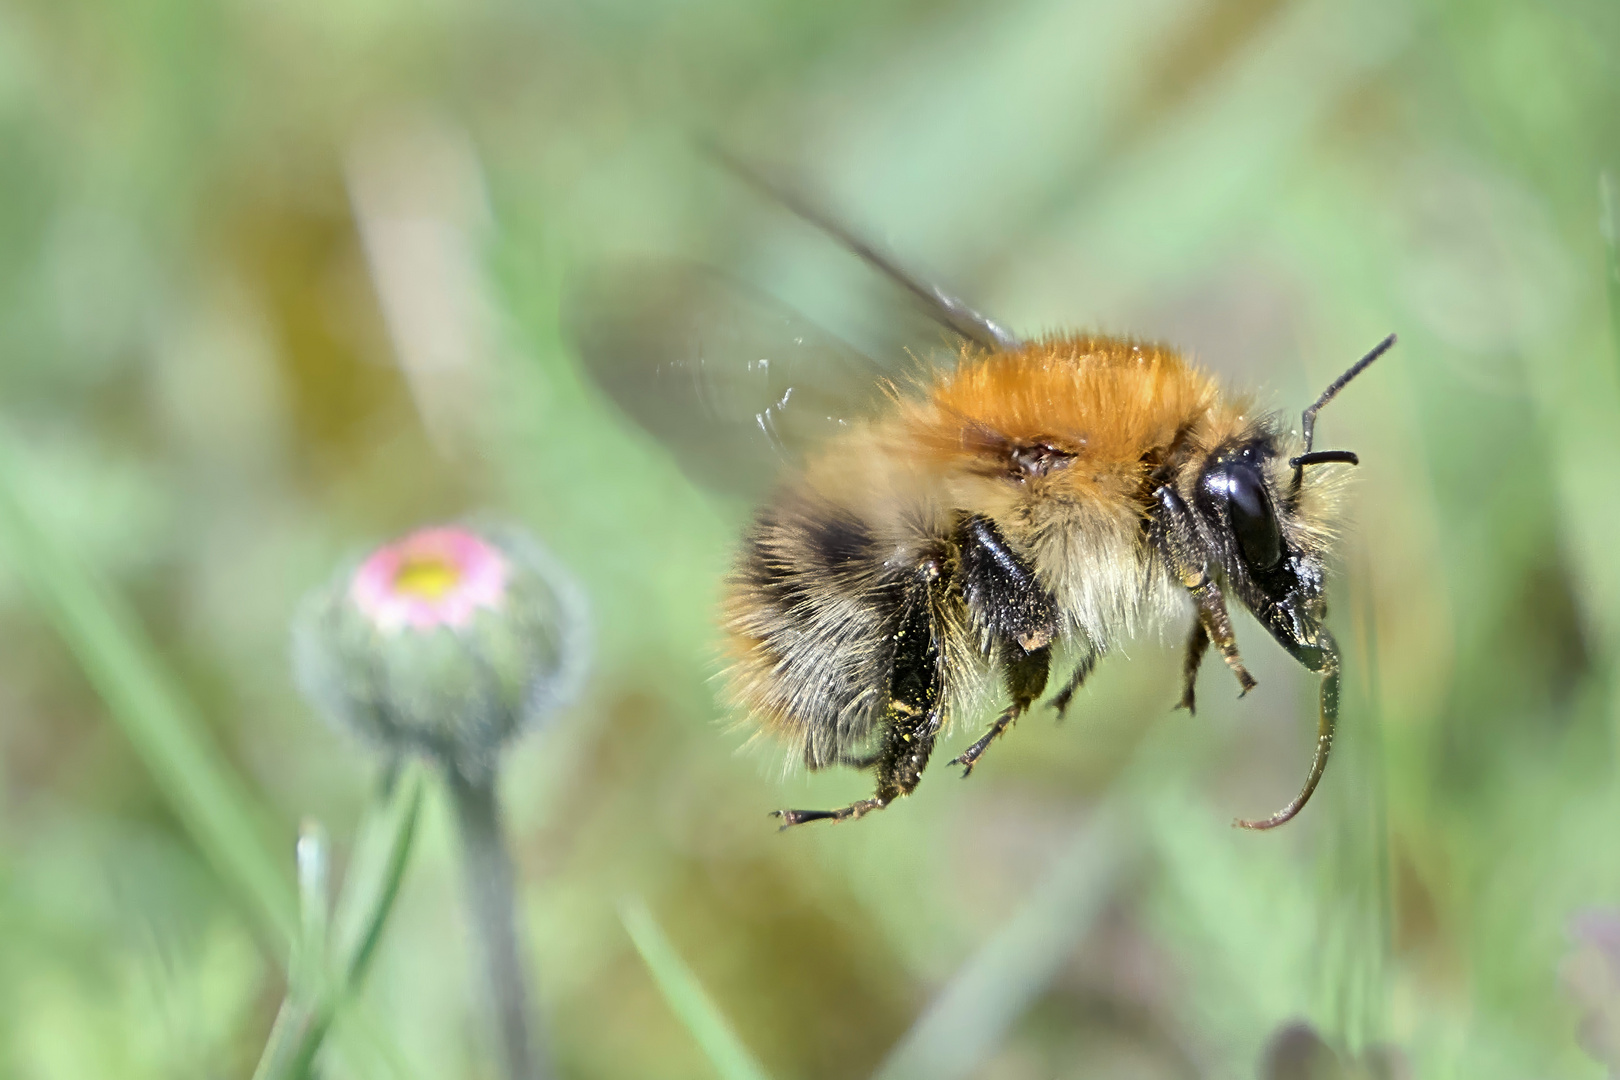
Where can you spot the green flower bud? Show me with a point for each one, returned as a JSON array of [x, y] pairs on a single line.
[[447, 642]]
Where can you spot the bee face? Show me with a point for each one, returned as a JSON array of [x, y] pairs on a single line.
[[1250, 517]]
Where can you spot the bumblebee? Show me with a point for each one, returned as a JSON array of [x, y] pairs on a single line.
[[1023, 499]]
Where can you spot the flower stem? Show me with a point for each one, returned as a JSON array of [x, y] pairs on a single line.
[[490, 902]]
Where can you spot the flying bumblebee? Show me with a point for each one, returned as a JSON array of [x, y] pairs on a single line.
[[1024, 498]]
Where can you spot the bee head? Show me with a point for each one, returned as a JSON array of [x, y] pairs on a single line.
[[1269, 529], [1269, 540]]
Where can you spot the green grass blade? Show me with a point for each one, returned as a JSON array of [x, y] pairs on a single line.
[[312, 858], [965, 1023], [687, 998], [1609, 226], [307, 973], [165, 730], [314, 1001], [381, 853]]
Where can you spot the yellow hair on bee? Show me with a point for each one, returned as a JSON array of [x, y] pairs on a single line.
[[802, 620], [1060, 495], [1026, 508], [1113, 411]]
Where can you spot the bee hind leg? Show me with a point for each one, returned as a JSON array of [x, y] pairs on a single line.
[[912, 718], [852, 811], [791, 818], [1026, 678], [900, 762], [861, 762]]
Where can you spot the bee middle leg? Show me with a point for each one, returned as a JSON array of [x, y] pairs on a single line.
[[1197, 646], [900, 762], [1008, 605], [1082, 671], [1026, 678]]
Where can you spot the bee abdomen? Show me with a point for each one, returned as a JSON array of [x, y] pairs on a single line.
[[812, 612]]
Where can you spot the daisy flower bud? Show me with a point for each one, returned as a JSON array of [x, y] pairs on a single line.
[[446, 642]]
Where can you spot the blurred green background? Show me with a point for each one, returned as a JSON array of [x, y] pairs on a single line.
[[281, 280]]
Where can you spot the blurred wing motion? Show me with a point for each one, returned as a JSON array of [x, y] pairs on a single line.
[[945, 309], [734, 382]]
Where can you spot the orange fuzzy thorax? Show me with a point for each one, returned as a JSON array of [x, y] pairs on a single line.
[[1112, 404]]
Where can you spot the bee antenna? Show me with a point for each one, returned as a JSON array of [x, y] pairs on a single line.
[[1308, 418], [1322, 457]]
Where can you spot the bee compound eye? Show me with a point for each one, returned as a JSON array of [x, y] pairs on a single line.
[[1253, 521]]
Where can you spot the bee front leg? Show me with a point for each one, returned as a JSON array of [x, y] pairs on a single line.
[[1217, 625], [1178, 541]]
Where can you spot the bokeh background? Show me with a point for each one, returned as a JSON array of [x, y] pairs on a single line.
[[280, 281]]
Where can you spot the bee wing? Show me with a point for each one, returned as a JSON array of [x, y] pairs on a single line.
[[735, 383], [940, 306]]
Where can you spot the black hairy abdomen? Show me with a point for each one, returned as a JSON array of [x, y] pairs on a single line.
[[827, 612]]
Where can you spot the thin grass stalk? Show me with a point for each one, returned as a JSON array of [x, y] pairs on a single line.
[[971, 1016], [315, 995], [163, 727], [1348, 967], [1609, 229], [686, 998]]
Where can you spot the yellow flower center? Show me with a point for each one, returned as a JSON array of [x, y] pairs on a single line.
[[426, 576]]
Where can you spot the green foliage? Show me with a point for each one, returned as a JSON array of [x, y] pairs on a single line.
[[335, 947], [163, 728], [970, 1017], [687, 998], [221, 374]]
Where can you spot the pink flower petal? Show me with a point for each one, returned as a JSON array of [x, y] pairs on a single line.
[[433, 577]]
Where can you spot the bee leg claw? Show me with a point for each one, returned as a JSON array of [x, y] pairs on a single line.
[[791, 818], [1060, 700], [970, 756]]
